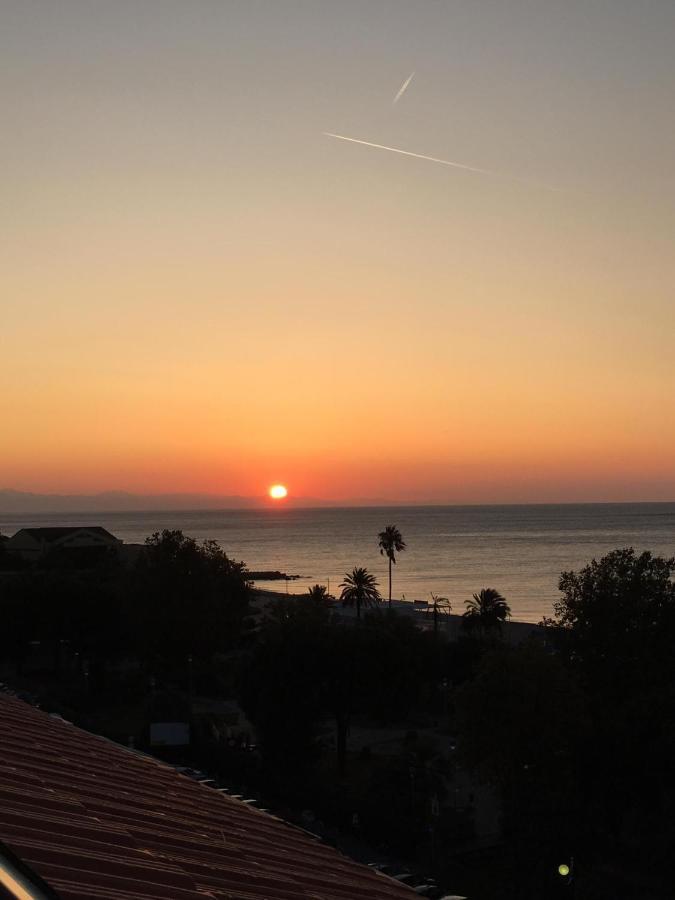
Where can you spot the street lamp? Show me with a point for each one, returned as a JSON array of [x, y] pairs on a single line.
[[566, 873]]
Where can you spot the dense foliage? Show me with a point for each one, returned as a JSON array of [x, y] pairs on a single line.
[[306, 667], [573, 730], [614, 628], [486, 612], [180, 598]]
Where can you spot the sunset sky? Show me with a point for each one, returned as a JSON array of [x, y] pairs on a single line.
[[201, 291]]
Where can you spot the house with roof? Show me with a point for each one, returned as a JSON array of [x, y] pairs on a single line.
[[36, 543], [82, 818]]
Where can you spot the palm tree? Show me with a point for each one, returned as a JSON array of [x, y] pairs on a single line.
[[359, 588], [319, 593], [390, 542], [440, 606], [487, 611]]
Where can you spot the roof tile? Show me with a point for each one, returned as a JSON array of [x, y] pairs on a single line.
[[98, 821]]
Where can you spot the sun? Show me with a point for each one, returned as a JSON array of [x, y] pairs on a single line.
[[278, 492]]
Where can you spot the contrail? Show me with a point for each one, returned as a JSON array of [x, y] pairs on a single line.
[[403, 89], [442, 162]]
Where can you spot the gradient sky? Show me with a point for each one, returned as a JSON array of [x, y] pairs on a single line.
[[203, 292]]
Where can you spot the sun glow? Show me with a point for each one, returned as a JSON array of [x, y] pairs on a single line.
[[278, 492]]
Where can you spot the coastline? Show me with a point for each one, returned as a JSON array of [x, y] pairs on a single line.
[[453, 552], [515, 630]]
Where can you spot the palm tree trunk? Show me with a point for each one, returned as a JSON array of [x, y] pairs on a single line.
[[390, 582], [358, 607]]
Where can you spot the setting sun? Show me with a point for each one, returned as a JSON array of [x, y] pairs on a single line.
[[278, 492]]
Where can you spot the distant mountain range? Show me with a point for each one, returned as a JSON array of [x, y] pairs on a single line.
[[122, 501]]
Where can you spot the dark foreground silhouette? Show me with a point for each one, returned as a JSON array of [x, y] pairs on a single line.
[[364, 729]]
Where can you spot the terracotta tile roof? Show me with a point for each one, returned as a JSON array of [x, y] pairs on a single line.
[[101, 822]]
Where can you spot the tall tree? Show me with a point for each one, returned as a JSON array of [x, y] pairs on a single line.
[[486, 611], [614, 626], [390, 542], [359, 589], [616, 618], [190, 598]]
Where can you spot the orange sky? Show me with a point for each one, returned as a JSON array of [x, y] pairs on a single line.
[[202, 292]]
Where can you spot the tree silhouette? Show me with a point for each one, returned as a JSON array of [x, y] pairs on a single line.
[[486, 611], [190, 598], [359, 589], [614, 628], [319, 594], [440, 606], [390, 542], [615, 625]]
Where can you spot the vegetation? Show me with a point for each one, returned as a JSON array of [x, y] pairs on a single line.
[[440, 606], [614, 628], [359, 589], [523, 724], [573, 730], [306, 663], [390, 542], [486, 612], [189, 598], [279, 688], [181, 599], [319, 594]]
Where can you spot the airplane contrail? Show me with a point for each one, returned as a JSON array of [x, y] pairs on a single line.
[[403, 89], [442, 162]]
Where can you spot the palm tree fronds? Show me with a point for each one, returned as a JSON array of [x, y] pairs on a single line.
[[486, 611], [390, 542], [359, 588]]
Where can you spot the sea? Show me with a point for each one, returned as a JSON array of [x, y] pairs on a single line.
[[451, 552]]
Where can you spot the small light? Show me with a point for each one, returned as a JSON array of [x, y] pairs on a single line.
[[564, 870]]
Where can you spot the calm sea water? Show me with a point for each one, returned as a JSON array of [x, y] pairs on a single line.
[[452, 551]]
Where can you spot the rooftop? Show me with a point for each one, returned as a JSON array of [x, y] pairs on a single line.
[[51, 534], [98, 821]]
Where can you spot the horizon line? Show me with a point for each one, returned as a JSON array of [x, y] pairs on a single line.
[[318, 504]]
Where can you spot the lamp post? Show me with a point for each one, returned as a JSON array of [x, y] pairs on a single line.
[[566, 873]]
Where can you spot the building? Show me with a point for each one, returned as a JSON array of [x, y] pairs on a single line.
[[82, 818], [36, 543]]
